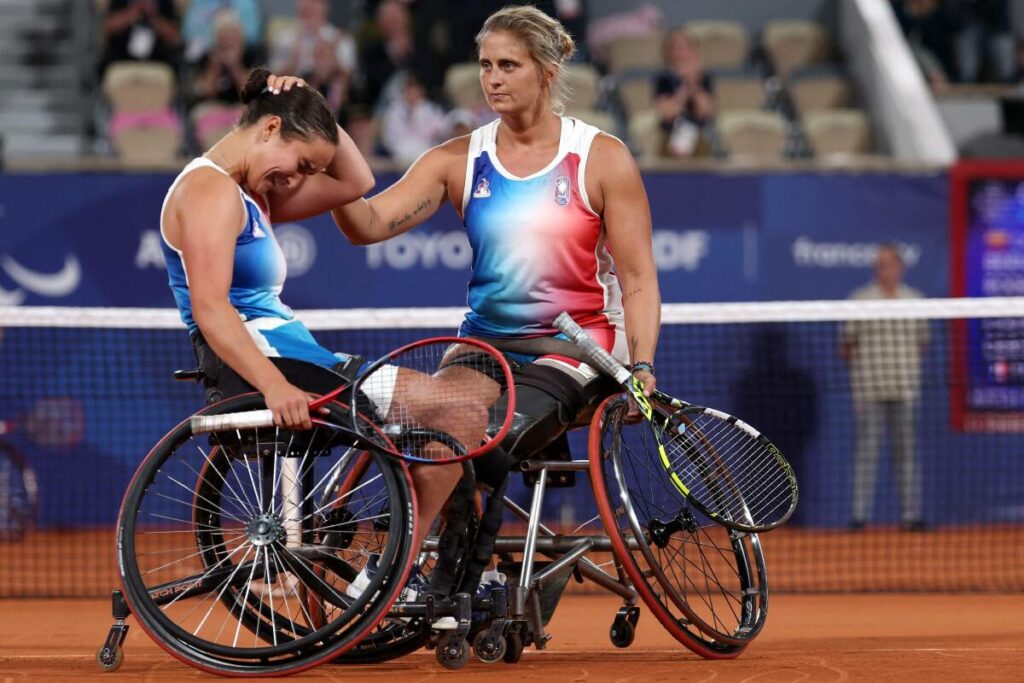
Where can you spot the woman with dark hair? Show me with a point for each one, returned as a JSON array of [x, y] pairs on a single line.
[[286, 159]]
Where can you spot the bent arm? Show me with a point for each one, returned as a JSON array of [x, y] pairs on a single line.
[[401, 207], [346, 178], [208, 225], [627, 219]]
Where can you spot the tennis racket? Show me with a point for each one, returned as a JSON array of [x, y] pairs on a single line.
[[435, 399], [727, 469]]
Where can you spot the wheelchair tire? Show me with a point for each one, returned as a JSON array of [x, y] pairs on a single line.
[[224, 547], [705, 584]]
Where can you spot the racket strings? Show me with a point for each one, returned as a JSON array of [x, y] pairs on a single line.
[[731, 472], [434, 399]]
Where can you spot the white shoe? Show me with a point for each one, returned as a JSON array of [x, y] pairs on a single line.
[[445, 624], [363, 578]]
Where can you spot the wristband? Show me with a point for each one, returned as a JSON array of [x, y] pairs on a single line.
[[642, 365]]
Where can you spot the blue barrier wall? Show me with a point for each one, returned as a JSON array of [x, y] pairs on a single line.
[[92, 240]]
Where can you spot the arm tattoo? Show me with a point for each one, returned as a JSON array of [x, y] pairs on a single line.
[[396, 223], [629, 295]]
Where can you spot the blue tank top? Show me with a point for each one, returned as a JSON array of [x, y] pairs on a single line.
[[259, 266], [256, 282]]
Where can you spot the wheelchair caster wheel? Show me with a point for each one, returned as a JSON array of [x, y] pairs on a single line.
[[623, 629], [514, 648], [110, 659], [452, 653], [622, 634], [489, 648]]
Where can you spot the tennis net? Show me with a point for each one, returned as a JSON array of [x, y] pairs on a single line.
[[903, 420]]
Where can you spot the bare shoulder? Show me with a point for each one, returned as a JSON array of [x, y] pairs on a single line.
[[611, 155], [204, 195], [204, 185], [451, 154]]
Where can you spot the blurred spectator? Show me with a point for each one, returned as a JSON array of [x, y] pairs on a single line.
[[645, 20], [389, 51], [885, 377], [682, 95], [329, 76], [222, 72], [141, 30], [985, 49], [316, 50], [460, 122], [930, 26], [412, 124], [464, 20], [199, 26], [360, 125]]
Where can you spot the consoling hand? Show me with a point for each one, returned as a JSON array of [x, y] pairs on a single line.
[[279, 84]]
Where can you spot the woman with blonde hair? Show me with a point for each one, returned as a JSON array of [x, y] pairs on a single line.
[[547, 201]]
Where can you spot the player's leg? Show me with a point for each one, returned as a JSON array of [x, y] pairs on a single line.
[[865, 458]]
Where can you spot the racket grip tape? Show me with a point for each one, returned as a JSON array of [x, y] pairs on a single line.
[[201, 424], [601, 359]]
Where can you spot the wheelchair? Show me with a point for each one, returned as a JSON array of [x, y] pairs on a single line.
[[240, 551]]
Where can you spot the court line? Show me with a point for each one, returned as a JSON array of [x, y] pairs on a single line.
[[941, 649]]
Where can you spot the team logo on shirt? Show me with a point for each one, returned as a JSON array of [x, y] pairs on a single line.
[[562, 190], [483, 189]]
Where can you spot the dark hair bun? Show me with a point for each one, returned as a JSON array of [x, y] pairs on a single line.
[[255, 85]]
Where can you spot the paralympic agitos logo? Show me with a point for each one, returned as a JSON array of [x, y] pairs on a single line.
[[53, 285]]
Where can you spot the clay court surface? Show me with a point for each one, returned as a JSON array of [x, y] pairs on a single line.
[[887, 637]]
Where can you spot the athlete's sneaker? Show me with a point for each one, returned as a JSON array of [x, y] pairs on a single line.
[[490, 580], [363, 578], [416, 586]]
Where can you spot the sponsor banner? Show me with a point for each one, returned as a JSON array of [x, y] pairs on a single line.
[[820, 233], [716, 238]]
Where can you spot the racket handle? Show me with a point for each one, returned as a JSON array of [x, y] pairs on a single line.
[[600, 358], [214, 423]]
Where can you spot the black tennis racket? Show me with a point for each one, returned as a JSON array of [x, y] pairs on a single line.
[[727, 469], [435, 399]]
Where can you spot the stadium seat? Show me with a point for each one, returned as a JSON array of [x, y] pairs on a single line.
[[138, 86], [737, 89], [646, 136], [817, 89], [752, 134], [633, 52], [837, 132], [792, 44], [594, 117], [213, 120], [148, 145], [720, 43], [635, 91], [462, 85], [585, 85]]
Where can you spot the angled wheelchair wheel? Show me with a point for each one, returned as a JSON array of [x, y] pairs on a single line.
[[705, 584], [243, 551]]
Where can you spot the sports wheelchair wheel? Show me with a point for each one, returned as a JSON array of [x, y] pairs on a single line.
[[238, 549], [705, 584]]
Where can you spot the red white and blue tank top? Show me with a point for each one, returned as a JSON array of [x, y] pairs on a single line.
[[538, 246]]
